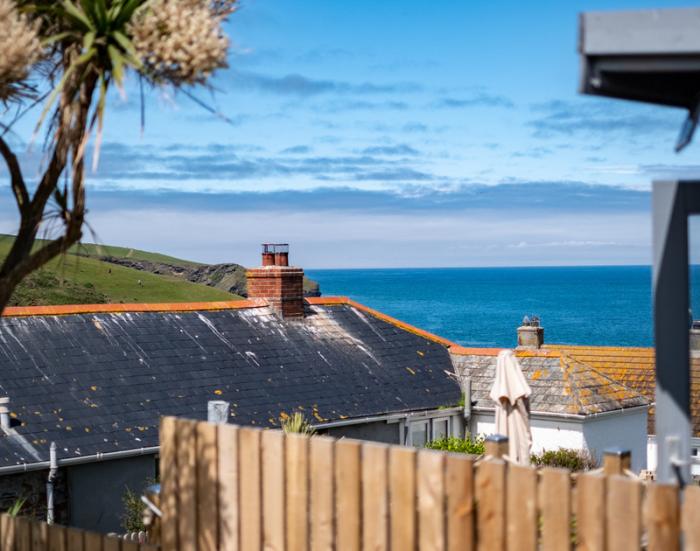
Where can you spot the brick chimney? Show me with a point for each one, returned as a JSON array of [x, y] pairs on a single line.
[[530, 333], [278, 283]]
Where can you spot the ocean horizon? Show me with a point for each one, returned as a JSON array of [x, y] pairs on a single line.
[[481, 306]]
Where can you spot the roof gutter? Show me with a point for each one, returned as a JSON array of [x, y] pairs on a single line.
[[390, 417], [152, 450], [577, 416], [70, 461]]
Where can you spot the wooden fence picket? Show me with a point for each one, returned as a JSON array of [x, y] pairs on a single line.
[[40, 536], [662, 517], [491, 509], [75, 540], [375, 532], [250, 523], [459, 489], [623, 513], [92, 541], [169, 481], [187, 484], [555, 508], [690, 518], [7, 531], [348, 495], [57, 538], [402, 498], [273, 490], [521, 508], [23, 535], [590, 512], [112, 544], [228, 488], [431, 500], [297, 484], [207, 487], [321, 493]]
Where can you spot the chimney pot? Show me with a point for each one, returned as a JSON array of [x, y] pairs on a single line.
[[530, 333]]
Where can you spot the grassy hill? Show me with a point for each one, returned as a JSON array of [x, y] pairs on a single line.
[[99, 251], [77, 279]]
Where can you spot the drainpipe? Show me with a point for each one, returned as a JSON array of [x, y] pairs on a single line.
[[467, 405], [53, 468]]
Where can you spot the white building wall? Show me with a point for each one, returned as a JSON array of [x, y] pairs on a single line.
[[652, 451], [626, 430], [547, 433]]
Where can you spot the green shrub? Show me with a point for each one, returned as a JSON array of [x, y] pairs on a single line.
[[470, 445], [566, 458], [132, 518], [133, 507]]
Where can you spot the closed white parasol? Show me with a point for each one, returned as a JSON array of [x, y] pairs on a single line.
[[511, 393]]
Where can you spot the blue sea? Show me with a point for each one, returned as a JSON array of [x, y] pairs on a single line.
[[608, 305]]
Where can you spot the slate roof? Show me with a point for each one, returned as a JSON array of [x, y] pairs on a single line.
[[559, 382], [98, 382], [634, 368]]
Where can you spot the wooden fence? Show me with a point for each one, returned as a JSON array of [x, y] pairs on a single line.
[[25, 534], [233, 488]]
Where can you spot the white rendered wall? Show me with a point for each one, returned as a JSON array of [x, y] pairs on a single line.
[[547, 434], [626, 430]]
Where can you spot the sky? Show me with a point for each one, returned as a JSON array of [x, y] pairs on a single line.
[[385, 134]]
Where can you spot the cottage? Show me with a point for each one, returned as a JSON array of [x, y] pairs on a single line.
[[636, 369], [96, 379], [573, 403]]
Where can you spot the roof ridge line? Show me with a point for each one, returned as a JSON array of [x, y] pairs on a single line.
[[118, 308], [569, 381]]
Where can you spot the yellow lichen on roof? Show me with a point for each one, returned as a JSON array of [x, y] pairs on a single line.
[[594, 391], [635, 368]]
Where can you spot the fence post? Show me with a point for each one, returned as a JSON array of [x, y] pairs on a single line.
[[616, 461], [496, 446]]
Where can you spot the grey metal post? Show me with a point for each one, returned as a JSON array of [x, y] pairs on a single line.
[[672, 203], [217, 411]]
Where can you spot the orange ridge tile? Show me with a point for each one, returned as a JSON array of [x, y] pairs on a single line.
[[69, 309]]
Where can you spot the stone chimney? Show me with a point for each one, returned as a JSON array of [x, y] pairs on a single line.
[[530, 333], [278, 283]]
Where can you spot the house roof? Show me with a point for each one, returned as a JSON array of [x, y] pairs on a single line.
[[634, 368], [96, 379], [560, 383]]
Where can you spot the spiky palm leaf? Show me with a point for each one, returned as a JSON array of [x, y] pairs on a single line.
[[97, 30]]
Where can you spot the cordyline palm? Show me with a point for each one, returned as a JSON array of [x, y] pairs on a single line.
[[85, 47]]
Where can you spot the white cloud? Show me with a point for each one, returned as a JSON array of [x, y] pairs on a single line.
[[339, 239]]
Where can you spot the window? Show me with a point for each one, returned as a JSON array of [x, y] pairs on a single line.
[[441, 428], [419, 434]]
